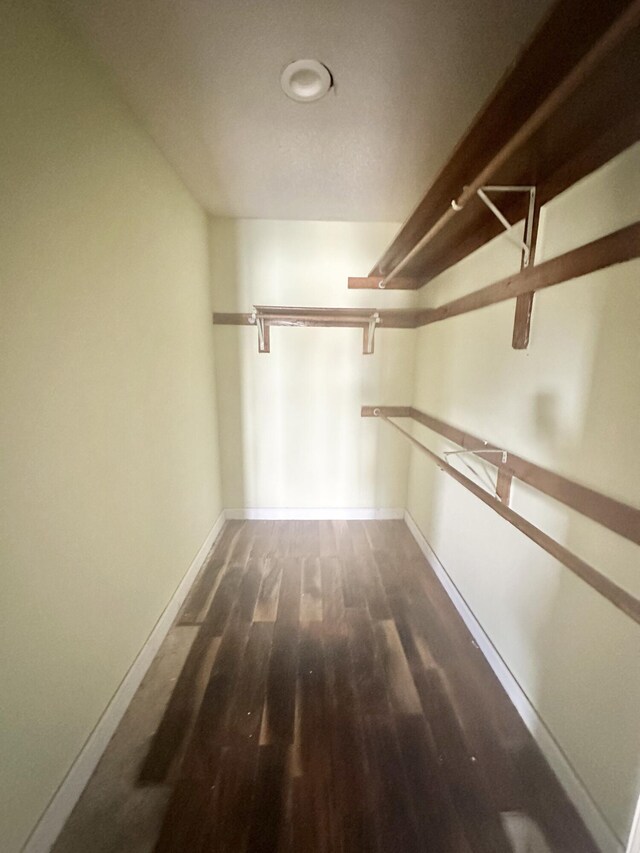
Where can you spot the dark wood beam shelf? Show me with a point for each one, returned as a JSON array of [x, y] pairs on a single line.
[[615, 248], [284, 315], [612, 514], [568, 106], [367, 319]]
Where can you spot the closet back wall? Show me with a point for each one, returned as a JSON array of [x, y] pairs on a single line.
[[290, 427]]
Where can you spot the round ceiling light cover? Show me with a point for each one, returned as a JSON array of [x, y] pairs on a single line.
[[306, 80]]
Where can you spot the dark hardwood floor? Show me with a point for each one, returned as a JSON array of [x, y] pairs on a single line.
[[333, 700]]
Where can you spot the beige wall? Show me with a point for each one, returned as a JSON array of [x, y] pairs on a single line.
[[290, 427], [107, 387], [570, 403], [108, 420]]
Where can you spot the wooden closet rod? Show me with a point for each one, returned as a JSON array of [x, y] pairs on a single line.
[[617, 596], [610, 513], [588, 54], [616, 248], [283, 315]]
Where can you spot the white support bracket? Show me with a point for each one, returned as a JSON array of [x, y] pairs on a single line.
[[502, 488], [264, 338], [527, 244], [263, 319], [369, 334], [524, 302]]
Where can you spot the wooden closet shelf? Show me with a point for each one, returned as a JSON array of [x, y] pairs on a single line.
[[615, 515], [367, 319], [615, 248], [568, 106], [337, 317]]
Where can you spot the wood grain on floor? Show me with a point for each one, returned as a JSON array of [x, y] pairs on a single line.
[[333, 701]]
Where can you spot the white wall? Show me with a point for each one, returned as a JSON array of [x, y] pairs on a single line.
[[290, 427], [570, 403], [107, 401]]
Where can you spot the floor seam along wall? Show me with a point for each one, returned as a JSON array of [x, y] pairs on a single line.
[[634, 837], [68, 793], [588, 809], [315, 514]]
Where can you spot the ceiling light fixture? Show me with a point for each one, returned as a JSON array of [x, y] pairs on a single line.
[[306, 80]]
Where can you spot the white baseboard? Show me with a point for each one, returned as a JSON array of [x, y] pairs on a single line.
[[634, 838], [313, 514], [593, 818], [54, 816]]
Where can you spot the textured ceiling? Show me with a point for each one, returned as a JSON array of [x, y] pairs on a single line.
[[203, 75]]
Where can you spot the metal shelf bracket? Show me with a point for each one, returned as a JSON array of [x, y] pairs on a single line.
[[264, 336], [369, 334], [529, 232], [263, 319], [524, 303]]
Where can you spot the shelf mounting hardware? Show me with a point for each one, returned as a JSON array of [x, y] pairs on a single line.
[[264, 317], [527, 244], [369, 334], [524, 303], [264, 331], [502, 487]]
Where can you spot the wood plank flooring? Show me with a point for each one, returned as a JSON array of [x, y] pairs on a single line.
[[333, 701]]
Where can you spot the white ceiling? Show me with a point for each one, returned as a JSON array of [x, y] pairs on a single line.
[[203, 75]]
